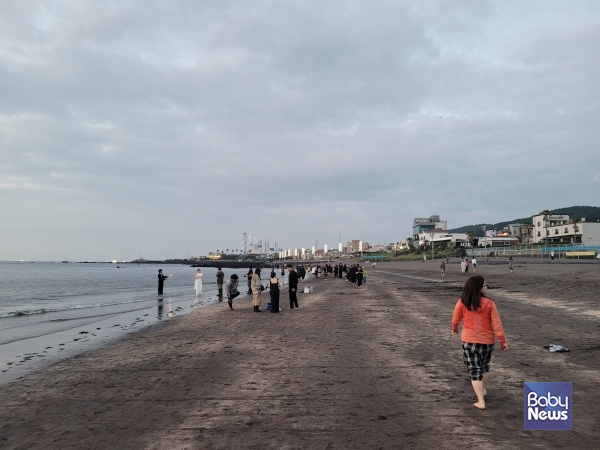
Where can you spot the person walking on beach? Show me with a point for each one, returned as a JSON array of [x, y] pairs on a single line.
[[443, 267], [257, 288], [424, 258], [161, 281], [463, 266], [474, 262], [198, 283], [447, 259], [359, 276], [364, 272], [273, 287], [231, 290], [481, 326], [511, 264], [249, 277], [467, 265], [292, 286], [220, 276], [552, 255]]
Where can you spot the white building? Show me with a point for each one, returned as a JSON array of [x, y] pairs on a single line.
[[558, 228], [497, 241], [441, 236]]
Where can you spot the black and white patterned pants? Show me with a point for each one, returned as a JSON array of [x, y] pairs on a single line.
[[477, 359]]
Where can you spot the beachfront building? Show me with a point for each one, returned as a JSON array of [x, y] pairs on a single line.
[[401, 246], [439, 236], [497, 241], [559, 228], [422, 224]]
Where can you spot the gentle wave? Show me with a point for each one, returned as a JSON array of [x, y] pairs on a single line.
[[29, 312]]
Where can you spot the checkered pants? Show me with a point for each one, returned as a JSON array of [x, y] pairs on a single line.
[[477, 359]]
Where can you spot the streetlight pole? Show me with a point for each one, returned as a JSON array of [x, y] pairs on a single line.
[[484, 239], [432, 256]]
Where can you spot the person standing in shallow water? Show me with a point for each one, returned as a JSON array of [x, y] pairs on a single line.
[[198, 283], [220, 276], [256, 286], [481, 326], [161, 281]]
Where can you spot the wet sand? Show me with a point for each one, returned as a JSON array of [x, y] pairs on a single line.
[[352, 368]]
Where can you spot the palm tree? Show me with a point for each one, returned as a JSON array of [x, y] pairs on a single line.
[[575, 229], [470, 237], [227, 250], [527, 227], [546, 213]]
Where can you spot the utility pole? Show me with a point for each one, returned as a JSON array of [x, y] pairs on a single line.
[[484, 228], [432, 234]]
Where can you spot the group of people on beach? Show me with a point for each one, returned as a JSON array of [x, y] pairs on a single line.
[[256, 288], [481, 324], [465, 264]]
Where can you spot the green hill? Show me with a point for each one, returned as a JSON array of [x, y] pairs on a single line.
[[591, 214]]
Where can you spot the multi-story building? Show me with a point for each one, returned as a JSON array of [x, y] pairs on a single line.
[[256, 246], [558, 228], [421, 224], [356, 246]]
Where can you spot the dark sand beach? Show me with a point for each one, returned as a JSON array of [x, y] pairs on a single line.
[[369, 368]]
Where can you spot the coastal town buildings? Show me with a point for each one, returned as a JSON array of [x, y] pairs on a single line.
[[423, 224], [559, 228]]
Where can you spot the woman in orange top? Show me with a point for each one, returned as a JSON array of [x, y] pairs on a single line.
[[480, 328]]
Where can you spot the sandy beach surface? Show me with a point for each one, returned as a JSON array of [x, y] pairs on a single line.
[[369, 368]]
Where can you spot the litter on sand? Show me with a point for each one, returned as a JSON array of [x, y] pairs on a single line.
[[556, 348]]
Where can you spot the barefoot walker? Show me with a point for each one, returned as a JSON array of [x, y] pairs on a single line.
[[480, 327]]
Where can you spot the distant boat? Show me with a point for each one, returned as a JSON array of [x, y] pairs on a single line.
[[65, 262]]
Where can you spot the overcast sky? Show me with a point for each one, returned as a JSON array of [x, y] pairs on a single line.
[[166, 127]]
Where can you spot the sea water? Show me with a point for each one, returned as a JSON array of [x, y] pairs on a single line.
[[52, 310]]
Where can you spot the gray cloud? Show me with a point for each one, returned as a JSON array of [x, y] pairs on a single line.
[[166, 127]]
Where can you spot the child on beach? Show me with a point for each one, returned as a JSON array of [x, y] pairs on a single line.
[[474, 262], [511, 264], [463, 267], [481, 326], [443, 267]]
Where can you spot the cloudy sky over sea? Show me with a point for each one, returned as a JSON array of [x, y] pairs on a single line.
[[167, 127]]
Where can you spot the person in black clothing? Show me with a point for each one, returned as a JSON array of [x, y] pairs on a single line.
[[220, 277], [249, 276], [352, 274], [161, 281], [293, 286], [274, 286]]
